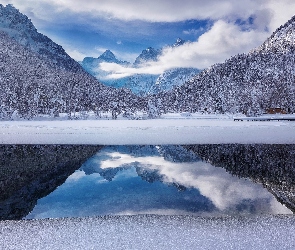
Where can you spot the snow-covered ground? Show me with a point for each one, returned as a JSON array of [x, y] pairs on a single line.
[[177, 129], [150, 232]]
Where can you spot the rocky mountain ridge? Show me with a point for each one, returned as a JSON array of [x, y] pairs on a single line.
[[20, 28]]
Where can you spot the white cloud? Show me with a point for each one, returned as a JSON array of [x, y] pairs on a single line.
[[164, 10], [194, 31], [76, 176], [36, 10], [281, 12], [155, 10], [118, 71], [75, 54], [223, 40], [216, 184], [219, 43]]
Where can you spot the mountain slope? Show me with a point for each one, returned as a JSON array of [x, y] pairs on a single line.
[[249, 83], [38, 77], [21, 29], [173, 77], [282, 40]]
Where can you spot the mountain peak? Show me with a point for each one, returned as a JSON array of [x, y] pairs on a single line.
[[12, 19], [9, 7], [178, 42], [108, 56], [149, 54], [91, 64]]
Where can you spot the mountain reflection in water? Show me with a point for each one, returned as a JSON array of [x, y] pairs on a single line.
[[271, 165], [30, 172], [170, 180]]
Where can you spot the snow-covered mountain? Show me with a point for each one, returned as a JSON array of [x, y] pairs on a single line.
[[38, 77], [281, 41], [108, 56], [91, 64], [140, 84], [250, 83], [147, 55], [18, 27]]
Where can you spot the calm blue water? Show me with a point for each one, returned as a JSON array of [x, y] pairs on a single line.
[[154, 180]]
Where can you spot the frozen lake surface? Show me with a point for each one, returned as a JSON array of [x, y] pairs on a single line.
[[147, 132]]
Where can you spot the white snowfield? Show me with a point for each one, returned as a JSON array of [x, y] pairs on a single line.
[[150, 232], [167, 130]]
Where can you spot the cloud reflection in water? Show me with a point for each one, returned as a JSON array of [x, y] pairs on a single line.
[[150, 179]]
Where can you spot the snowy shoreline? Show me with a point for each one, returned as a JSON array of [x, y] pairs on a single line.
[[150, 232], [147, 132]]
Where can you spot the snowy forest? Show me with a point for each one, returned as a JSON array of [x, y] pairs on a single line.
[[38, 78]]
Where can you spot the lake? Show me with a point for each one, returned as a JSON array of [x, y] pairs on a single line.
[[52, 181]]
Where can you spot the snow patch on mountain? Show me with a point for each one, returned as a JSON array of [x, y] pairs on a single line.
[[178, 42]]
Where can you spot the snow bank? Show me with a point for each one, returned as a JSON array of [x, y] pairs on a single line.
[[150, 232], [147, 132]]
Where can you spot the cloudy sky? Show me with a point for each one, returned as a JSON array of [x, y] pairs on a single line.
[[216, 29]]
